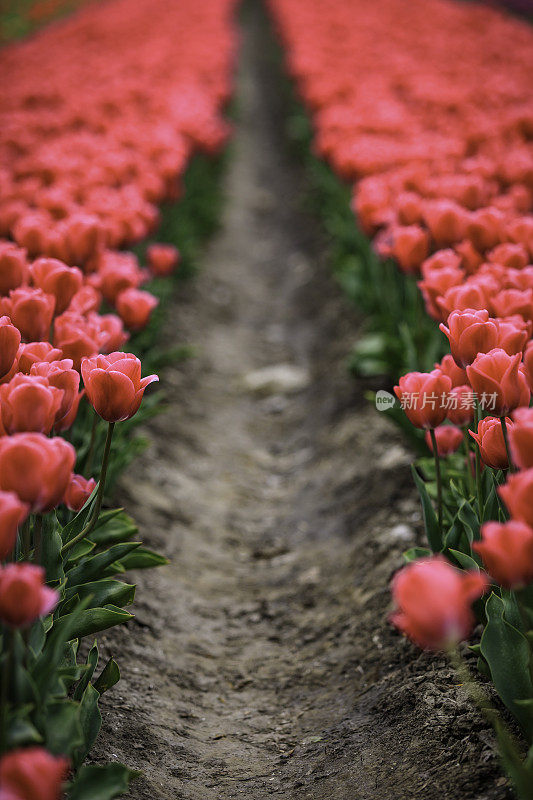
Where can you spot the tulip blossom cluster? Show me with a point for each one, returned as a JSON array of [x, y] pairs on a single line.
[[427, 109], [90, 146]]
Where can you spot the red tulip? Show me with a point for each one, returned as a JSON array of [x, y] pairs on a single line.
[[77, 336], [470, 332], [433, 602], [111, 331], [446, 221], [114, 386], [456, 374], [461, 405], [23, 595], [449, 439], [517, 494], [162, 259], [78, 492], [57, 279], [410, 247], [528, 364], [499, 383], [510, 255], [29, 403], [135, 307], [13, 267], [60, 375], [521, 438], [423, 396], [12, 513], [119, 271], [33, 774], [85, 300], [36, 468], [31, 311], [507, 552], [514, 301], [489, 438], [9, 345], [36, 352], [513, 334]]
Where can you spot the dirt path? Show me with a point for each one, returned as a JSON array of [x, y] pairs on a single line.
[[260, 662]]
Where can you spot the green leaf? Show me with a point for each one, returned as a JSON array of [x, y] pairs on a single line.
[[119, 528], [508, 655], [92, 567], [465, 561], [80, 550], [101, 782], [22, 733], [431, 523], [91, 663], [105, 592], [416, 552], [93, 620], [468, 517], [109, 676], [91, 722], [520, 772], [142, 558], [62, 727], [51, 544]]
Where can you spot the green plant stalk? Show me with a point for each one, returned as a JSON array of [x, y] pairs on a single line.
[[90, 452], [6, 673], [467, 451], [505, 432], [25, 539], [439, 478], [37, 538], [99, 496]]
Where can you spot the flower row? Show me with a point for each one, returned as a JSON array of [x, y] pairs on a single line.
[[427, 111], [89, 147]]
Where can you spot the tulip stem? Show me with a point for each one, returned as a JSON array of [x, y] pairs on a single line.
[[25, 539], [469, 470], [90, 452], [37, 538], [506, 440], [438, 476], [6, 674], [99, 495], [479, 487]]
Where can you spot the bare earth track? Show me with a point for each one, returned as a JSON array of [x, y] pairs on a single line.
[[260, 662]]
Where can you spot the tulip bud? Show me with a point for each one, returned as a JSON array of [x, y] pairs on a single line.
[[491, 442], [433, 602], [499, 383], [9, 345], [423, 396], [449, 439], [470, 332], [507, 552], [456, 374], [517, 494], [162, 259], [13, 267], [31, 311], [410, 247], [36, 468], [135, 307], [29, 403], [57, 279], [114, 386], [60, 375], [521, 438], [23, 595], [32, 774], [35, 353], [78, 492], [461, 406], [12, 513]]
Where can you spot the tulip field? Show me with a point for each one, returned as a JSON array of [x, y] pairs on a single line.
[[334, 602]]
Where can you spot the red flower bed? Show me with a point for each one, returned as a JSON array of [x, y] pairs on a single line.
[[100, 116], [426, 108]]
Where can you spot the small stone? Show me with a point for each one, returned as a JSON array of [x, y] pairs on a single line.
[[278, 379]]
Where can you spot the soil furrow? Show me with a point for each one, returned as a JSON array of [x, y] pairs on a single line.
[[260, 662]]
